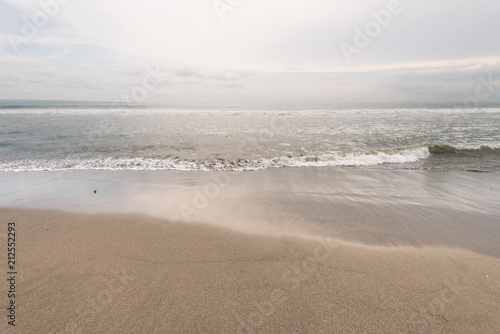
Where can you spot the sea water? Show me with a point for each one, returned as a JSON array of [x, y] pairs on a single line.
[[115, 137]]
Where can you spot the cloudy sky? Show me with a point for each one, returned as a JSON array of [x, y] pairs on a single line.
[[250, 51]]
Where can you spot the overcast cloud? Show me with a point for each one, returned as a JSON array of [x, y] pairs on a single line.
[[250, 51]]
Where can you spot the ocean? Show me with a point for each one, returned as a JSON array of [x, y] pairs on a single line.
[[56, 137]]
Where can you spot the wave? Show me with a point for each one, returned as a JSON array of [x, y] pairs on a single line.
[[465, 149], [237, 164], [442, 152]]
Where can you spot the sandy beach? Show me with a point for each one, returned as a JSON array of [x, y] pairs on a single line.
[[276, 251], [111, 273]]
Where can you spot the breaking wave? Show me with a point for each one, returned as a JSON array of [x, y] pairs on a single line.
[[237, 164], [395, 156]]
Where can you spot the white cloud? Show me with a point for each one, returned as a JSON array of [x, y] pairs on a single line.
[[10, 59], [249, 55]]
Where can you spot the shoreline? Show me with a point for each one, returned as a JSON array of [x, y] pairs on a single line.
[[389, 208]]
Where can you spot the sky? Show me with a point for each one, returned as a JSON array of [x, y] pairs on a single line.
[[250, 52]]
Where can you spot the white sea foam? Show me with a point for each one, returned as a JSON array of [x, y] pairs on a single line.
[[352, 159]]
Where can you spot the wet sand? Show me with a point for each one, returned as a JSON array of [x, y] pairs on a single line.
[[367, 206], [279, 251]]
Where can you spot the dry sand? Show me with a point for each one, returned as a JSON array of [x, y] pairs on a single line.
[[110, 273]]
